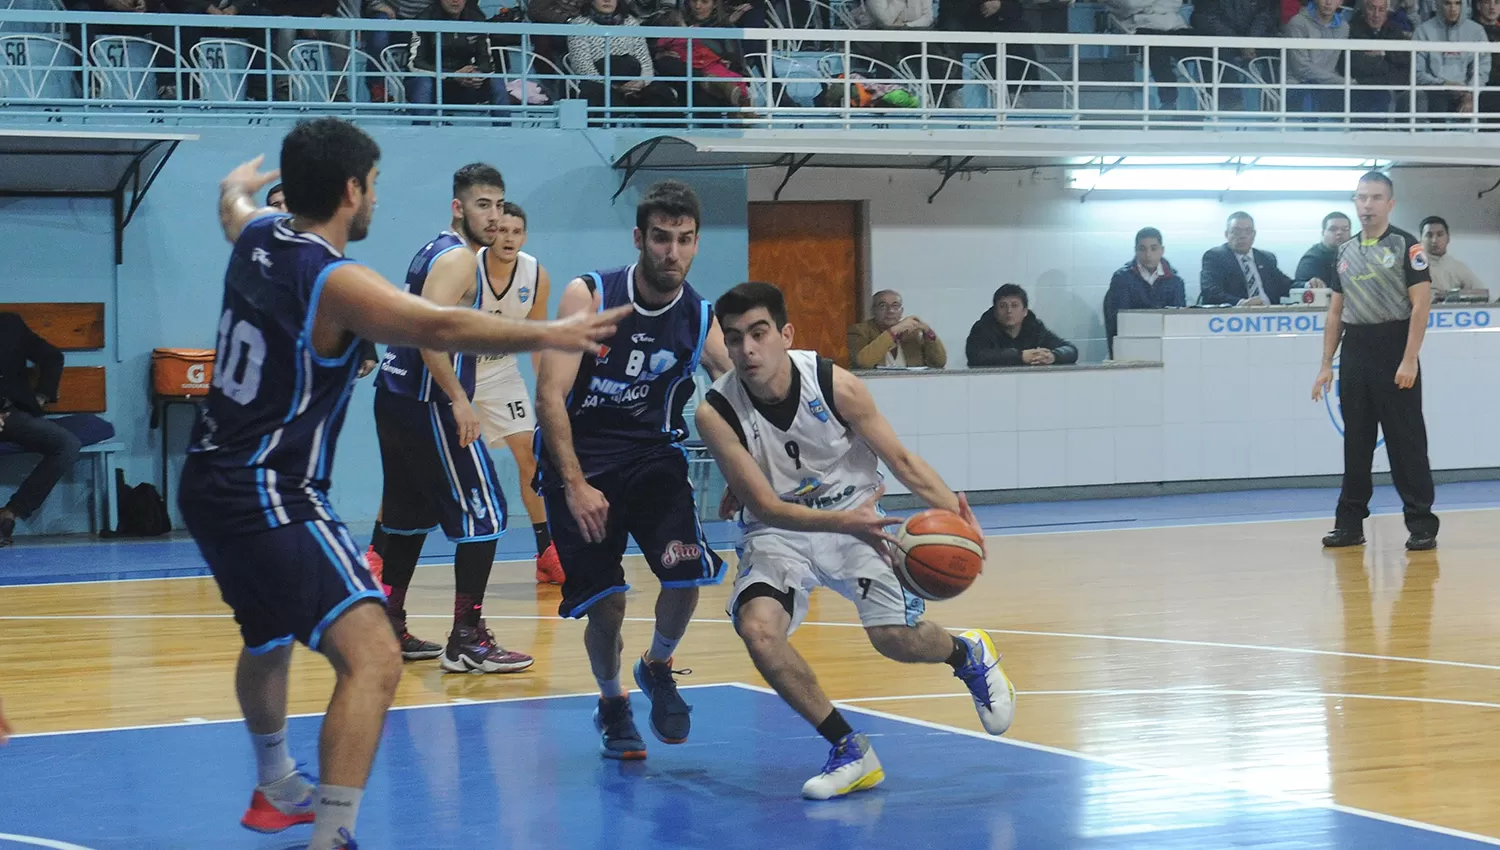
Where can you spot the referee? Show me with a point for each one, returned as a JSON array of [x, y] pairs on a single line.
[[1379, 305]]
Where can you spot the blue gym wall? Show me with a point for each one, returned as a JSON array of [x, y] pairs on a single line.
[[170, 283]]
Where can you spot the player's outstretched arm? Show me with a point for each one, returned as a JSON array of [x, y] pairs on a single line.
[[357, 299], [750, 487], [237, 192], [715, 355], [858, 409]]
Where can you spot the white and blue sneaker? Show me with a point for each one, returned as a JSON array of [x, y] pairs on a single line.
[[852, 766], [994, 695]]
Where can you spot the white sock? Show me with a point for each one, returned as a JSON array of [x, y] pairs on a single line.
[[662, 647], [610, 688], [272, 761], [337, 808]]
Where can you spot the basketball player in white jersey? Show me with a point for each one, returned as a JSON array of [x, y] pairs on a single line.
[[518, 289], [798, 440]]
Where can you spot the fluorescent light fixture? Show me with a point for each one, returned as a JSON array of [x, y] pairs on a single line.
[[1222, 174]]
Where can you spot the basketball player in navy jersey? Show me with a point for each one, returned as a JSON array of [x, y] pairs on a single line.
[[610, 466], [799, 441], [438, 471], [254, 489]]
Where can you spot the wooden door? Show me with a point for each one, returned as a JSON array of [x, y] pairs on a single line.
[[814, 252]]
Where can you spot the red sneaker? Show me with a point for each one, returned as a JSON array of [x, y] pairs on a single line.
[[377, 568], [549, 568], [264, 816]]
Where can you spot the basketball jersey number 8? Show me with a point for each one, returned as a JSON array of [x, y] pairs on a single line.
[[636, 361], [242, 349]]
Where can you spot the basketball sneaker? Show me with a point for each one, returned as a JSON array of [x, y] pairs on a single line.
[[670, 715], [994, 695], [852, 766], [281, 804], [414, 648], [472, 649], [618, 737], [549, 567]]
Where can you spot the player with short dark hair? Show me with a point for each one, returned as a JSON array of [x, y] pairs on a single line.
[[799, 441], [609, 464], [438, 471], [254, 489]]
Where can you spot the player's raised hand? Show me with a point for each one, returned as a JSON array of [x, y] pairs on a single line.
[[582, 332], [967, 514], [590, 510], [248, 178]]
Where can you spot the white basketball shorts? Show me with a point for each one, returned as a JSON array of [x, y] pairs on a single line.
[[501, 399]]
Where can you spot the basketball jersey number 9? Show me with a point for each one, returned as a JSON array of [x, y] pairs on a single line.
[[242, 348]]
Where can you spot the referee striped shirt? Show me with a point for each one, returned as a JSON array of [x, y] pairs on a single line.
[[1375, 274]]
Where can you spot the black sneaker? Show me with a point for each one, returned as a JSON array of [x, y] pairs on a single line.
[[670, 714], [1419, 542], [414, 648], [1341, 537], [618, 737], [472, 649]]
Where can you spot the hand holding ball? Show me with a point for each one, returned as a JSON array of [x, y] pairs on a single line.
[[939, 554]]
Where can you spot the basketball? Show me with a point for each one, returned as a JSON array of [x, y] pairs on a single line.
[[940, 554]]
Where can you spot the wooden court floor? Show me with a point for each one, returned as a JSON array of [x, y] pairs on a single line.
[[1238, 655]]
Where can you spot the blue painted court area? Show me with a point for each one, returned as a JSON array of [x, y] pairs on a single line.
[[39, 560], [526, 774]]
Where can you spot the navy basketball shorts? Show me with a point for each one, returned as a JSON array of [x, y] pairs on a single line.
[[651, 501], [430, 481], [287, 583]]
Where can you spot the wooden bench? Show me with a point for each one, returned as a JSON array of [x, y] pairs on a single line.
[[76, 326]]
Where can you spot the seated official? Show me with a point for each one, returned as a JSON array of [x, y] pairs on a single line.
[[1450, 275], [1009, 334], [1237, 274], [1145, 283], [1316, 268], [887, 339], [22, 420]]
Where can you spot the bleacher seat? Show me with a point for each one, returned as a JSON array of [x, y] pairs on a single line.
[[224, 67], [38, 67], [126, 67]]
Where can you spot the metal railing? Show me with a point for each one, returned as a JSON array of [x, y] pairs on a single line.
[[189, 69]]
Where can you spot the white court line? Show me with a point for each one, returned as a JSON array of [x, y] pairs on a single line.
[[452, 703], [1170, 773], [1193, 691], [1187, 642], [989, 532]]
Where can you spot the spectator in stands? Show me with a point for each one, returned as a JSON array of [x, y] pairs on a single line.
[[1155, 17], [1316, 268], [1009, 334], [887, 339], [1425, 10], [1237, 19], [890, 15], [632, 74], [1487, 15], [1378, 67], [1147, 282], [718, 63], [1237, 273], [990, 16], [1450, 275], [463, 53], [22, 420], [1457, 69], [1321, 19]]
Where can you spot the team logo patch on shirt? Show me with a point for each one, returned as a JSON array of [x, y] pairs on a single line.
[[816, 408], [661, 361], [1386, 258], [523, 293], [805, 486], [1418, 258]]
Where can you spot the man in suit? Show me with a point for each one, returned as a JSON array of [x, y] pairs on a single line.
[[22, 421], [1235, 273], [887, 339]]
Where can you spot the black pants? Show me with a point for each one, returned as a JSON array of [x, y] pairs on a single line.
[[58, 448], [1370, 399]]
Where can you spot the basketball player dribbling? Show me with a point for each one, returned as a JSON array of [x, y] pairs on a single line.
[[518, 288], [438, 471], [798, 440], [610, 465], [254, 490]]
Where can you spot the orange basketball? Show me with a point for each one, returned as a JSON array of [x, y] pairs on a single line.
[[940, 554]]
